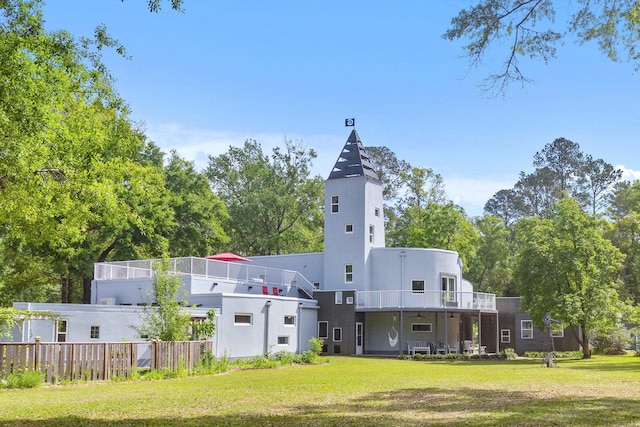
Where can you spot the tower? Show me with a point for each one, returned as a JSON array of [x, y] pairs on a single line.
[[353, 218]]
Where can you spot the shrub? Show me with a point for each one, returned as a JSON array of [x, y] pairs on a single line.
[[23, 379]]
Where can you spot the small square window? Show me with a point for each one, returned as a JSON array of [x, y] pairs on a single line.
[[323, 329], [316, 285], [337, 334], [290, 320], [95, 332], [376, 212], [283, 340], [557, 331], [242, 319], [505, 335], [348, 228], [339, 297], [349, 300], [417, 286]]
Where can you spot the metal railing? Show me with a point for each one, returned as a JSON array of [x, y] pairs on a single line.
[[220, 270], [425, 300]]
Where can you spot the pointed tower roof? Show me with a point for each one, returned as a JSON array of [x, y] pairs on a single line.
[[353, 161]]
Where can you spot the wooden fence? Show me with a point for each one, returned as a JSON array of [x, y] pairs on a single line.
[[96, 361]]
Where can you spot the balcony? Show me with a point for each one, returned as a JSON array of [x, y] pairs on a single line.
[[436, 300], [233, 272]]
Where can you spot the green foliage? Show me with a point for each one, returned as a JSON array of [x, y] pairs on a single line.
[[556, 354], [168, 319], [529, 29], [274, 206], [205, 328], [23, 379], [613, 341], [567, 268]]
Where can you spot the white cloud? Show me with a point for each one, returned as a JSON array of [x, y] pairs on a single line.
[[629, 174], [198, 144], [473, 193]]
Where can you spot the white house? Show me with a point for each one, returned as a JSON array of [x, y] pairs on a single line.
[[357, 295]]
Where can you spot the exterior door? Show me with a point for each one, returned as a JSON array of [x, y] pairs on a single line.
[[359, 337]]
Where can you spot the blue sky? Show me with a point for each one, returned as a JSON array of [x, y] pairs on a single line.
[[226, 71]]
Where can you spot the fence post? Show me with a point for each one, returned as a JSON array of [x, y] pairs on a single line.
[[36, 354]]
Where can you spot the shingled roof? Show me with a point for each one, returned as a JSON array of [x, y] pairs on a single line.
[[353, 160]]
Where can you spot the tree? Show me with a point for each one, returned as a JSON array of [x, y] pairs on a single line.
[[597, 183], [198, 214], [274, 206], [506, 205], [166, 318], [567, 268], [491, 269], [564, 160], [530, 30], [71, 166], [390, 169]]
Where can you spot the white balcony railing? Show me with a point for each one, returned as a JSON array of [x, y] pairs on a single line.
[[230, 271], [425, 300]]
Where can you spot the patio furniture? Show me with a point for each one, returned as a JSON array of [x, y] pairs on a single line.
[[414, 346], [441, 347]]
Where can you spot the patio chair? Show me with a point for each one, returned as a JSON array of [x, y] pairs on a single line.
[[440, 347]]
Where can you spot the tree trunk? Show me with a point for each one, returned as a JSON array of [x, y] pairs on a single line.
[[86, 289], [584, 342]]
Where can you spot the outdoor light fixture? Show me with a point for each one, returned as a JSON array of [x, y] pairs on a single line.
[[269, 303]]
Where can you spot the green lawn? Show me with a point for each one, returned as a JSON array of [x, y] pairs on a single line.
[[603, 391]]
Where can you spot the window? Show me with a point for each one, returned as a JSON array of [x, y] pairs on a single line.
[[336, 349], [339, 297], [323, 329], [376, 212], [348, 228], [349, 300], [290, 320], [505, 335], [557, 331], [417, 286], [421, 327], [316, 285], [348, 273], [526, 329], [283, 340], [62, 331], [334, 204], [371, 233], [449, 289], [243, 319], [95, 332], [337, 334]]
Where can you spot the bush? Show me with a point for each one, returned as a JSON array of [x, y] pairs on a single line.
[[23, 379], [613, 342]]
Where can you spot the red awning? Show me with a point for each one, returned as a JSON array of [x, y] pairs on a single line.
[[229, 257]]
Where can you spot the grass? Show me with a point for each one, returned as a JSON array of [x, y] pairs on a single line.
[[602, 391]]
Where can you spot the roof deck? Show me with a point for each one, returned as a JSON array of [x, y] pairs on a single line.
[[255, 277]]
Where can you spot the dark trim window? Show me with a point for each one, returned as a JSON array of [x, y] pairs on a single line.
[[323, 329], [417, 286], [290, 320], [95, 332], [334, 204], [337, 334], [348, 228], [421, 327]]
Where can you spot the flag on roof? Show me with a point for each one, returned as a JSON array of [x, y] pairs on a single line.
[[350, 122]]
